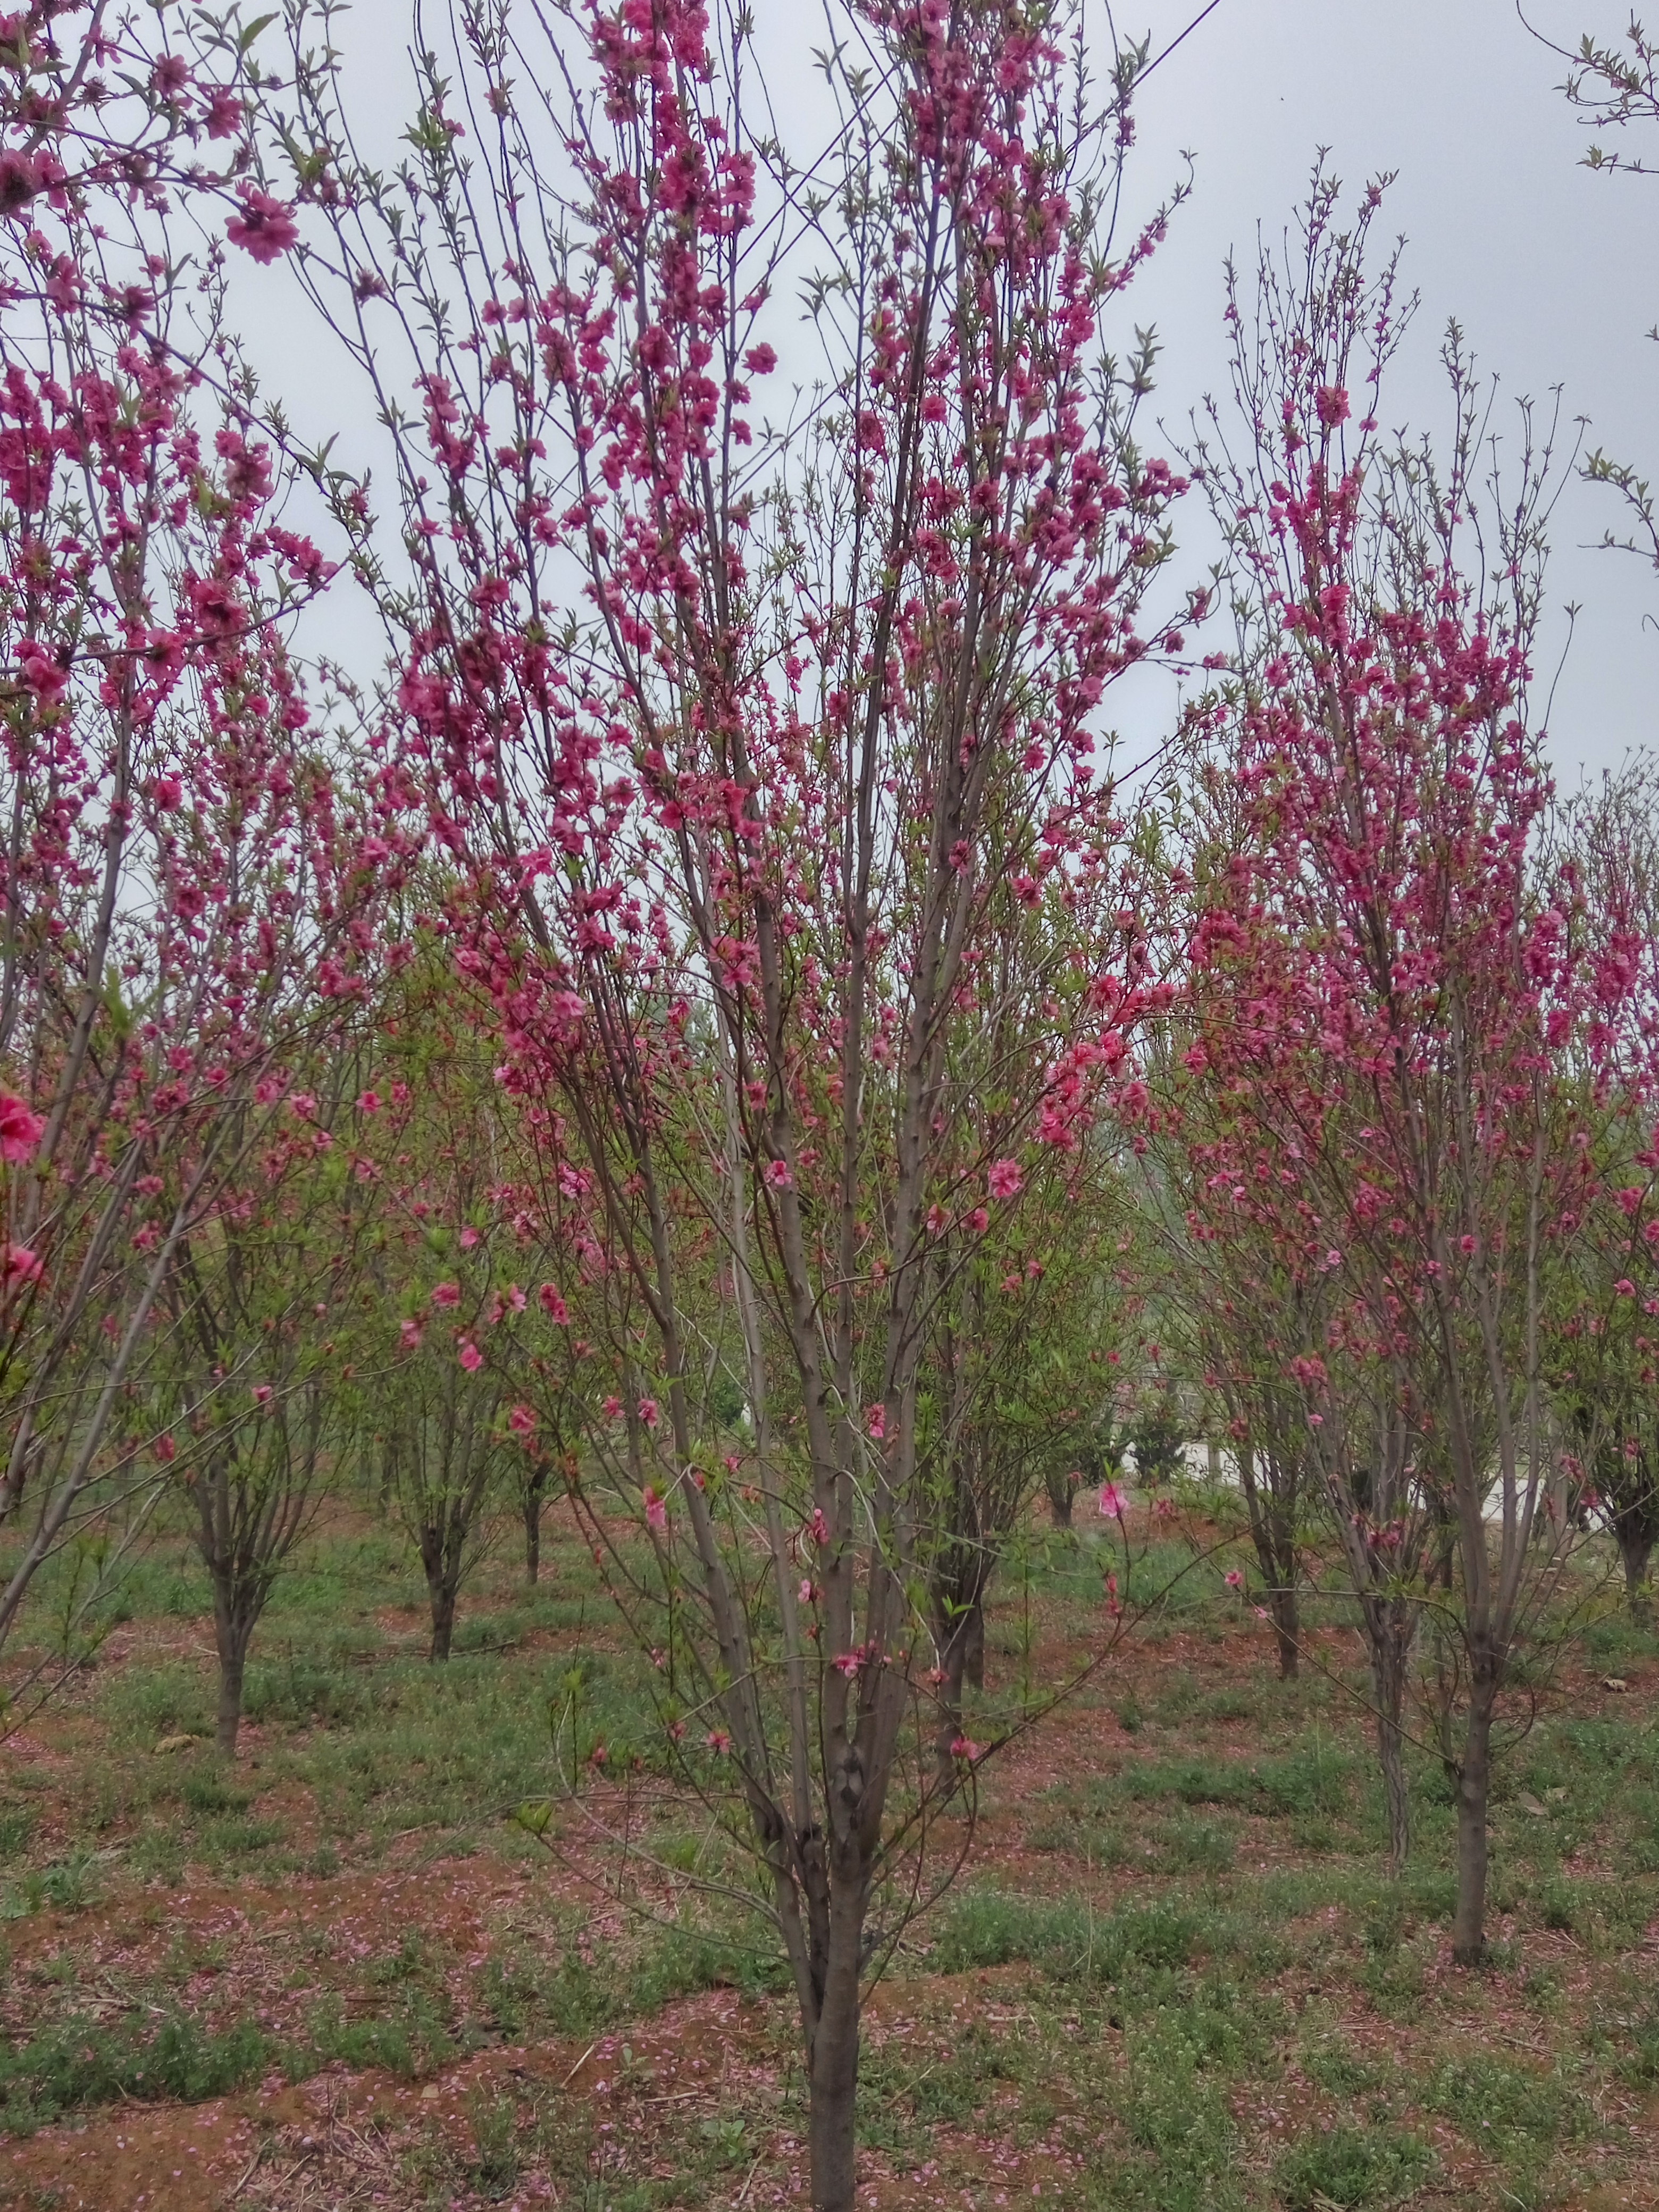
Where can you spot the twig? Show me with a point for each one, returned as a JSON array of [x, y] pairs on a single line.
[[246, 2174], [579, 2063]]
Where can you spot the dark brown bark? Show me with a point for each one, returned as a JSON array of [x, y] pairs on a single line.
[[1636, 1554], [832, 2072], [1389, 1654], [441, 1594], [1473, 1778], [1286, 1614], [1272, 1484], [232, 1635], [535, 1490], [974, 1660], [962, 1655]]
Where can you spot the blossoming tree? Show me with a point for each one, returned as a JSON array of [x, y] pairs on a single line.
[[1412, 991], [721, 706], [182, 886]]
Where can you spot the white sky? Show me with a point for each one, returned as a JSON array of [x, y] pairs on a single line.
[[1551, 270]]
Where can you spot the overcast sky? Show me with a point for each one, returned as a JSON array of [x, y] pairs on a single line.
[[1551, 270]]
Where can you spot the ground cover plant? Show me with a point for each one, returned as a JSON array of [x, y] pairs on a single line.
[[1177, 1974]]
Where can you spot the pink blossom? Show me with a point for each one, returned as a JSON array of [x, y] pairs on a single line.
[[166, 1450], [1625, 1287], [656, 1509], [470, 1356], [20, 1131], [468, 1238], [613, 1407], [20, 1264], [553, 1305], [1234, 1579], [522, 1421], [818, 1528], [261, 1394], [1004, 1180], [976, 1222], [648, 1413], [265, 227], [808, 1592], [718, 1742], [368, 1101], [777, 1176], [963, 1747], [410, 1335], [876, 1422], [446, 1294], [1111, 1501]]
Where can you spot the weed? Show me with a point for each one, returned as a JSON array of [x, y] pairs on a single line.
[[69, 1885], [1351, 2166], [205, 1790], [1064, 1938], [1488, 2097], [81, 2063], [496, 2161]]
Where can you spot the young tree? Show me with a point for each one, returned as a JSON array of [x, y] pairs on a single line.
[[181, 884], [820, 669], [1608, 1361], [246, 1359], [1404, 970], [1008, 1379]]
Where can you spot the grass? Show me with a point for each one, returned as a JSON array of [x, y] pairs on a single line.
[[1186, 1930], [72, 2065]]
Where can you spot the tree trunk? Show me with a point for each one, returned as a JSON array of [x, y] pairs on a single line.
[[832, 2072], [974, 1647], [962, 1652], [1636, 1550], [1060, 1502], [1388, 1687], [231, 1638], [533, 1529], [1473, 1779], [443, 1619], [1287, 1627]]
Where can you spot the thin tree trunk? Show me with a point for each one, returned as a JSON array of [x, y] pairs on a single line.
[[974, 1651], [1060, 1502], [1287, 1627], [1388, 1657], [1473, 1780], [443, 1621], [231, 1638], [832, 2073], [962, 1651], [1635, 1552], [532, 1526]]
